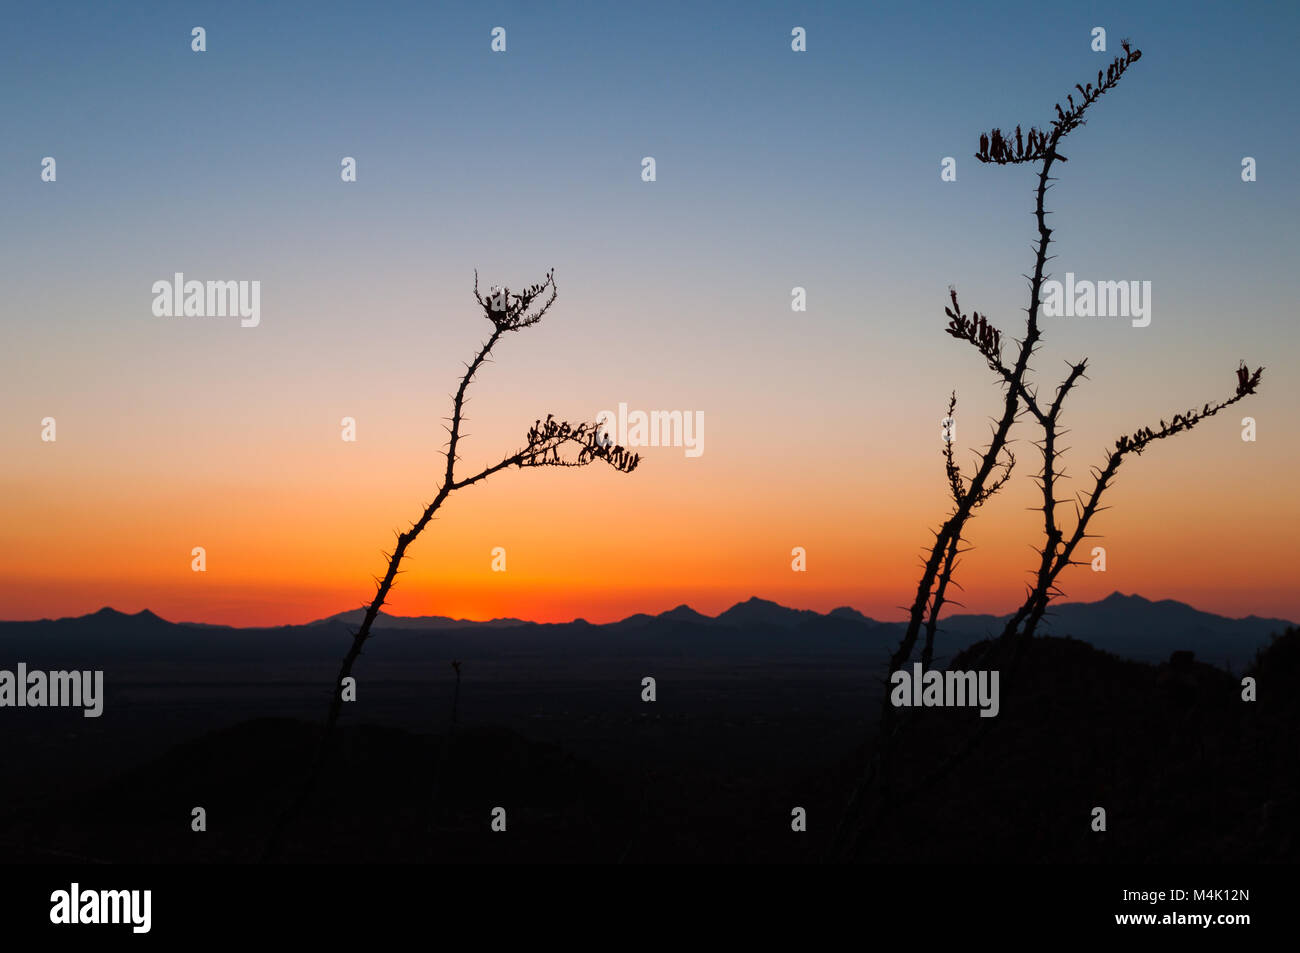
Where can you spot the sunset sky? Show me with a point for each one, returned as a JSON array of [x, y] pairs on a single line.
[[775, 169]]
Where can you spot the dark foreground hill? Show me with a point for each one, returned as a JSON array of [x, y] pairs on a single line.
[[1185, 770]]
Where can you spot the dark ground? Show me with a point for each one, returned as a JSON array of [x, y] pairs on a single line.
[[708, 773]]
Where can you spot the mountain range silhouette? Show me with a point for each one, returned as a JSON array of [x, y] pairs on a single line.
[[1130, 626]]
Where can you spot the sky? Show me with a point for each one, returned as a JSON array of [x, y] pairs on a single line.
[[775, 169]]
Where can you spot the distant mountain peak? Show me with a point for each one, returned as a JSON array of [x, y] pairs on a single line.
[[108, 612], [764, 612], [848, 612], [1118, 596], [684, 613]]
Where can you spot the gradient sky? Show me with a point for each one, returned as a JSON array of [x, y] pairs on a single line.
[[775, 169]]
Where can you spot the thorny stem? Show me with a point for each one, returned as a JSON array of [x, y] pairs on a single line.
[[938, 567], [507, 313]]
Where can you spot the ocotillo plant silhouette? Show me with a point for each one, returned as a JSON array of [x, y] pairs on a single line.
[[549, 443], [1041, 148]]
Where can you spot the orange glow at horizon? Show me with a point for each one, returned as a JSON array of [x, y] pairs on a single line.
[[590, 543]]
